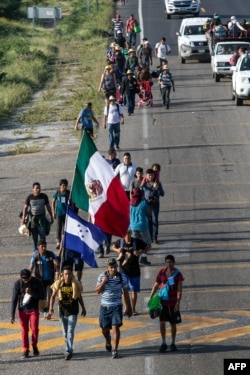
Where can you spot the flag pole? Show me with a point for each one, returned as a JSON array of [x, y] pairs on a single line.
[[62, 249]]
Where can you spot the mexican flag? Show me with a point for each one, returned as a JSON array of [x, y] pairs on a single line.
[[98, 191]]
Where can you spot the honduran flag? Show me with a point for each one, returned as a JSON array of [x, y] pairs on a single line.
[[97, 190], [82, 237]]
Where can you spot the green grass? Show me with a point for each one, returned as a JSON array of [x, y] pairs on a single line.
[[31, 61]]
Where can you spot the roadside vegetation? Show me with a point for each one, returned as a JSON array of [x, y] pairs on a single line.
[[33, 59]]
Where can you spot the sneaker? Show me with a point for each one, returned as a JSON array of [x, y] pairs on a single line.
[[173, 348], [163, 348], [100, 256], [108, 345], [68, 356], [115, 354], [144, 261], [25, 354], [35, 351]]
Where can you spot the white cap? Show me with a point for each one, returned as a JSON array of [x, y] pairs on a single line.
[[233, 18]]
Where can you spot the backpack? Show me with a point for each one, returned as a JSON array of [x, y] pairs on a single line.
[[234, 31], [108, 84], [220, 31], [118, 109]]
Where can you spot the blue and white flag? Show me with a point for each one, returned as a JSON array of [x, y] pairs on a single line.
[[82, 237]]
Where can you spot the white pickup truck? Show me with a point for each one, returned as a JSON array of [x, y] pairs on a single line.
[[192, 42], [182, 7], [223, 50]]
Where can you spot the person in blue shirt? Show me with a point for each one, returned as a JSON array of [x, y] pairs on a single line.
[[44, 264], [86, 117], [60, 200]]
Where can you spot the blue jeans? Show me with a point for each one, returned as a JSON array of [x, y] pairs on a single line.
[[165, 94], [38, 230], [153, 222], [130, 100], [132, 38], [107, 242], [68, 328], [114, 134]]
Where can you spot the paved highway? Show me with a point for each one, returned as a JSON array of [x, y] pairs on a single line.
[[202, 143]]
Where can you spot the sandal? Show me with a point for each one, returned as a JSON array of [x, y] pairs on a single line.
[[135, 313]]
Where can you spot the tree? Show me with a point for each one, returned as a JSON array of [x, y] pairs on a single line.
[[10, 8]]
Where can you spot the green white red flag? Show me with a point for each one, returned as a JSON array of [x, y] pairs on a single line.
[[97, 190]]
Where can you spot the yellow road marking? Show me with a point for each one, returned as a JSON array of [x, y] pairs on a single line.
[[219, 336], [198, 323], [80, 336], [43, 330], [238, 312]]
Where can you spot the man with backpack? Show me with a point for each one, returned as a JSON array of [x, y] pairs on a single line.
[[113, 117], [112, 285], [86, 117], [162, 49], [27, 292], [234, 28], [35, 207], [45, 264], [60, 200]]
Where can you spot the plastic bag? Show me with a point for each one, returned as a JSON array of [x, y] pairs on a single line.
[[137, 29], [154, 306]]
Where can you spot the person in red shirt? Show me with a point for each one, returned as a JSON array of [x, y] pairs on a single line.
[[172, 278], [131, 34]]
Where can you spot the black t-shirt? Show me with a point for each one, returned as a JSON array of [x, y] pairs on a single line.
[[37, 203], [68, 305], [132, 267], [37, 293]]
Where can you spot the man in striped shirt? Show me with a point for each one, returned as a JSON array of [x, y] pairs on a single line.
[[111, 284], [117, 25]]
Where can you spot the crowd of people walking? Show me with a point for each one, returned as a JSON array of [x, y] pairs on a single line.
[[50, 276]]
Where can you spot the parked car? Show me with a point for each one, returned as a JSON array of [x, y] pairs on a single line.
[[223, 51], [192, 43], [180, 7], [241, 80]]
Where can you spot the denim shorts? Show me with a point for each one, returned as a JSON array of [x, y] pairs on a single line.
[[72, 257], [133, 283], [110, 316]]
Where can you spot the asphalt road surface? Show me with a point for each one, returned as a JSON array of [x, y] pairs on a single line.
[[202, 143]]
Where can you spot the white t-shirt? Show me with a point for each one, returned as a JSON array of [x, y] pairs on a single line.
[[126, 174], [113, 113], [162, 50]]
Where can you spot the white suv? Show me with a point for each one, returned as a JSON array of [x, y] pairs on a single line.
[[192, 43], [181, 7], [241, 80], [223, 51]]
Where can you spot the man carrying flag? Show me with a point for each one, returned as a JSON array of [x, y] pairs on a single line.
[[98, 191]]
